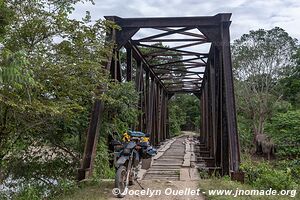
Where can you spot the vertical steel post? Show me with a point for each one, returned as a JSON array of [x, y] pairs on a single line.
[[229, 98], [218, 99], [128, 64], [86, 169]]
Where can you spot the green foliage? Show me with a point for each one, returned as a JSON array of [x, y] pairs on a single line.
[[176, 119], [121, 101], [292, 165], [284, 128], [184, 112], [262, 175], [50, 70], [5, 16], [13, 71], [245, 133], [27, 193], [102, 168], [290, 85], [252, 51]]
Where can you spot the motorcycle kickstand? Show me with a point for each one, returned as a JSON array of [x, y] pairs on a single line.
[[139, 184]]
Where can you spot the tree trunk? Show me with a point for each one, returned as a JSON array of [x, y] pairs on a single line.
[[258, 125]]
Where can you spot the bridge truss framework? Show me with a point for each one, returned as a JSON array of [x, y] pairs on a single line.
[[160, 71]]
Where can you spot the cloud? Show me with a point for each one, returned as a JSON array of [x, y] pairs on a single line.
[[246, 14]]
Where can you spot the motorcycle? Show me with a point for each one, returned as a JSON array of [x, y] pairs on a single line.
[[127, 156]]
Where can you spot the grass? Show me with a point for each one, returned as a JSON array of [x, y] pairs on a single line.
[[89, 191], [221, 183]]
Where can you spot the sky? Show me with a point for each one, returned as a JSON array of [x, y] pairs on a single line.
[[246, 14]]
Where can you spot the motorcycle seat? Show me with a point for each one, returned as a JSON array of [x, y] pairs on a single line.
[[136, 134]]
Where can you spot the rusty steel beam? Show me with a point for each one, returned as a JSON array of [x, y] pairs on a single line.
[[182, 82], [161, 53], [163, 34], [129, 64], [170, 21], [212, 90], [151, 110], [192, 66], [172, 40], [175, 62], [147, 101], [184, 87], [139, 88], [170, 49], [219, 100], [89, 154], [183, 33], [184, 91], [186, 66], [188, 45], [177, 70], [180, 78], [229, 98]]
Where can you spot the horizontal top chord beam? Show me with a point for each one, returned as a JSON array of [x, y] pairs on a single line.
[[171, 21]]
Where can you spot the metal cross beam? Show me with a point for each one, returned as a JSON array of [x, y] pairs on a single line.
[[183, 33], [170, 49], [150, 38], [175, 62]]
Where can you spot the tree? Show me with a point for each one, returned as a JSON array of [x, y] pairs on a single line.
[[260, 59], [51, 67]]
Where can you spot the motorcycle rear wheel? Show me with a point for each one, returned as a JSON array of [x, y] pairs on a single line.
[[120, 180]]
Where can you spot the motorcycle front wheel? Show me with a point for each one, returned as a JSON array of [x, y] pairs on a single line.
[[120, 180]]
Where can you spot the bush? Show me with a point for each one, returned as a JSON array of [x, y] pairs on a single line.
[[292, 165], [263, 175], [284, 128], [29, 193], [102, 168], [275, 179]]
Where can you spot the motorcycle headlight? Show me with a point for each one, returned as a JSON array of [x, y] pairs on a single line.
[[126, 151]]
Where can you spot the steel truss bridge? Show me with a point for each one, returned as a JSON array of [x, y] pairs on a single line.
[[165, 56]]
